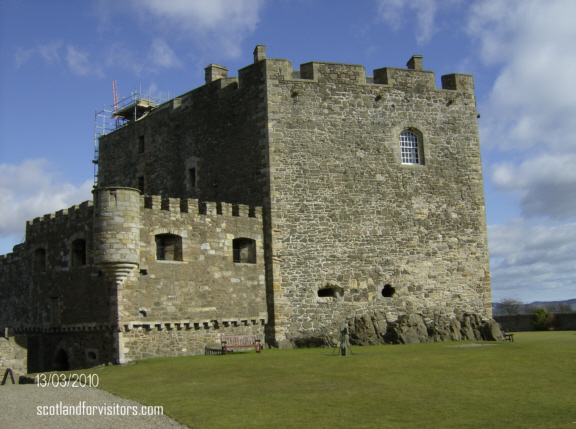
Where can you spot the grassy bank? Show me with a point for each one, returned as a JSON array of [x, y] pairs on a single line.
[[530, 383]]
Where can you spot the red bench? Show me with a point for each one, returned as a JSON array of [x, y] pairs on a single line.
[[240, 341]]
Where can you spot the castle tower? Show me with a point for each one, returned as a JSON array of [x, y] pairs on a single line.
[[117, 226]]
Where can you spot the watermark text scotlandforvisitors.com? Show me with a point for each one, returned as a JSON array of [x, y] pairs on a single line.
[[82, 409]]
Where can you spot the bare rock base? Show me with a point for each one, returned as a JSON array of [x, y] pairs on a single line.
[[411, 329]]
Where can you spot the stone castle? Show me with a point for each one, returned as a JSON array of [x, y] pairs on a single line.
[[280, 203]]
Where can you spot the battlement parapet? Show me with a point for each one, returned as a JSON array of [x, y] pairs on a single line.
[[333, 72], [458, 82], [80, 212], [14, 256], [354, 74], [194, 206]]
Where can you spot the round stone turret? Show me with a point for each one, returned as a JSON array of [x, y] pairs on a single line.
[[117, 226]]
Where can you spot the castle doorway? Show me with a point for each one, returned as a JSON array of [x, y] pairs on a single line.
[[61, 362]]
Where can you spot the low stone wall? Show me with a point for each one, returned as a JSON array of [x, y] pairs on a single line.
[[13, 354], [143, 343], [521, 322]]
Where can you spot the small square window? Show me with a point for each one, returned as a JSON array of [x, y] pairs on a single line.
[[168, 247], [244, 250]]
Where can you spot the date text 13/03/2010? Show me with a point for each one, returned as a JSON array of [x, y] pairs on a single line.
[[67, 380]]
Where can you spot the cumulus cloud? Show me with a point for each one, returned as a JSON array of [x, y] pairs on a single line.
[[532, 102], [216, 23], [532, 105], [546, 185], [529, 119], [532, 262], [30, 190]]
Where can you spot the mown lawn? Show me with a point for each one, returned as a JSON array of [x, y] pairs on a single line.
[[530, 383]]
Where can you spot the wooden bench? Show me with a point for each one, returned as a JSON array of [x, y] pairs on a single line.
[[240, 341], [508, 337]]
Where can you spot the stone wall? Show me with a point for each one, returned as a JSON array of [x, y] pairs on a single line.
[[183, 305], [521, 322], [70, 349], [348, 216], [145, 341], [50, 279], [13, 354], [319, 147], [120, 300], [217, 129]]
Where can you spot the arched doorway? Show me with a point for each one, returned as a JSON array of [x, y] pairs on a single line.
[[61, 362]]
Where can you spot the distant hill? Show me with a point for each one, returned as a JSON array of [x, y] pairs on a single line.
[[570, 302], [552, 306]]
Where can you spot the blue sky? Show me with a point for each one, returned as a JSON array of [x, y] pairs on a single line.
[[58, 59]]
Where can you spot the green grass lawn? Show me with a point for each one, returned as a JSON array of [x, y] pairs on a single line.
[[530, 383]]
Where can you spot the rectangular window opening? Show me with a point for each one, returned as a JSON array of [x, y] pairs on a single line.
[[141, 144], [141, 183], [192, 176]]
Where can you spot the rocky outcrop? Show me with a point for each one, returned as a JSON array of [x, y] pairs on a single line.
[[407, 329], [411, 329]]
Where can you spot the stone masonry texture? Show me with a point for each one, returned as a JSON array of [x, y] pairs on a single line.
[[301, 170]]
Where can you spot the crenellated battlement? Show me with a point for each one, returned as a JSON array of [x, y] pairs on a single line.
[[152, 202], [335, 73], [197, 207], [78, 212]]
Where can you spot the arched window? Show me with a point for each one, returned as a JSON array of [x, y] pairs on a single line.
[[168, 247], [244, 250], [411, 148], [78, 252]]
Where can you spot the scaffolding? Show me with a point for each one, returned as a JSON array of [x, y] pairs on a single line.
[[123, 112]]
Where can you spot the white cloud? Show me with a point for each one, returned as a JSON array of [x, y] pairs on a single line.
[[219, 24], [50, 52], [546, 184], [529, 119], [533, 262], [30, 190], [397, 13], [162, 55], [79, 64], [533, 101]]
